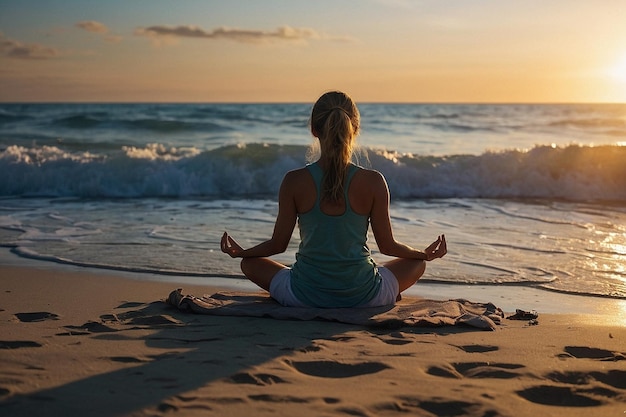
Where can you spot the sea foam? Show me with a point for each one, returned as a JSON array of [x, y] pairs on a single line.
[[576, 173]]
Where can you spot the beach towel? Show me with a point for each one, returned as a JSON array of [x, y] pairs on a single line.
[[406, 313]]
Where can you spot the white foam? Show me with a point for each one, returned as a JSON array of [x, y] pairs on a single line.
[[572, 173]]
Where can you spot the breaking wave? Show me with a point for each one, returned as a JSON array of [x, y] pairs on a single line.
[[577, 173]]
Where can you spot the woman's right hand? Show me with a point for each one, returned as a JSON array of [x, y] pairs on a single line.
[[230, 246], [437, 249]]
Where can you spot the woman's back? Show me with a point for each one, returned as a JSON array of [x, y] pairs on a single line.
[[333, 265], [360, 192]]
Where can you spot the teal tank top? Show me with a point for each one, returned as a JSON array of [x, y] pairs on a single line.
[[334, 267]]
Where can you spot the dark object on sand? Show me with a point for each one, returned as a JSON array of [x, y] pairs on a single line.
[[523, 315]]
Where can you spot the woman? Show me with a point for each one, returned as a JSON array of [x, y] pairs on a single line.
[[334, 201]]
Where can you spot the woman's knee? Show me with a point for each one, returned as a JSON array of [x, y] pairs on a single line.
[[246, 265], [421, 268], [415, 269], [406, 271], [260, 270], [407, 267]]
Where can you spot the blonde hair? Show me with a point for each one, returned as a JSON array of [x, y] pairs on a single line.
[[335, 121]]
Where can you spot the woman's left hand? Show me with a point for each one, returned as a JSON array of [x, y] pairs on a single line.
[[230, 246], [437, 249]]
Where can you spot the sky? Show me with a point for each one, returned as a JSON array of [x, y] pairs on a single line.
[[455, 51]]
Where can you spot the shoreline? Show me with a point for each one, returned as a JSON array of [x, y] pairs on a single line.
[[507, 297], [86, 343]]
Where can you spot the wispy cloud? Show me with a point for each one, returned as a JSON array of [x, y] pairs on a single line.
[[92, 26], [15, 49], [281, 34]]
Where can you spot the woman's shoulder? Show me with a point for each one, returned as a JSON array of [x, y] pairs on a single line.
[[370, 174], [298, 173], [297, 177], [369, 181]]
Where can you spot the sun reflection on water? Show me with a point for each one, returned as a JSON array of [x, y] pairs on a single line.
[[606, 257]]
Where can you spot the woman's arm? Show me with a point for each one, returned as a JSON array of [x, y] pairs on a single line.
[[383, 232], [283, 228]]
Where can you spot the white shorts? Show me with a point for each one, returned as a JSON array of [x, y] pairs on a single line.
[[280, 289]]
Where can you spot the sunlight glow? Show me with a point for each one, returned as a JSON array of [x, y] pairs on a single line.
[[618, 71], [476, 52]]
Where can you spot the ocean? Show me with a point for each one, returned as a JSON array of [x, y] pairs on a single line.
[[527, 195]]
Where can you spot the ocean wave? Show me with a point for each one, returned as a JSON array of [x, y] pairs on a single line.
[[82, 121], [618, 123], [170, 126], [9, 117], [576, 173], [103, 120], [456, 127]]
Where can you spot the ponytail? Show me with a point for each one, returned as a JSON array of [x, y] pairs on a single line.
[[335, 120]]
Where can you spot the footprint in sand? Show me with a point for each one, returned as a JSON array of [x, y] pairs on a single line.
[[87, 328], [320, 344], [477, 348], [614, 378], [476, 370], [408, 405], [586, 389], [256, 379], [16, 344], [559, 396], [332, 369], [584, 352], [395, 338], [36, 316]]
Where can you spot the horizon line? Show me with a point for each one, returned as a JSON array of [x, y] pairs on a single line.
[[2, 102]]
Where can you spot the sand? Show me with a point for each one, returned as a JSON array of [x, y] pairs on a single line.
[[84, 342]]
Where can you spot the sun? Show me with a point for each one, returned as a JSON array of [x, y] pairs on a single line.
[[618, 71]]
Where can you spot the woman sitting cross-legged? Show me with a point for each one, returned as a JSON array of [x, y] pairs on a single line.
[[334, 203]]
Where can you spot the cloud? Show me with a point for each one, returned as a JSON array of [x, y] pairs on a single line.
[[284, 33], [18, 50], [92, 26], [99, 28]]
